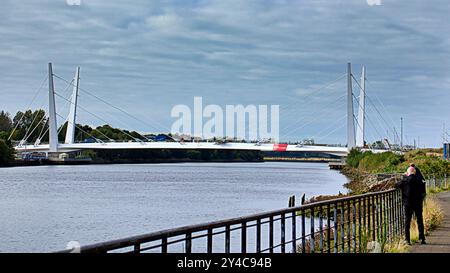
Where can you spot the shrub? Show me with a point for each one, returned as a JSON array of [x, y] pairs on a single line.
[[430, 165], [397, 246], [6, 152], [382, 162], [432, 217], [354, 157]]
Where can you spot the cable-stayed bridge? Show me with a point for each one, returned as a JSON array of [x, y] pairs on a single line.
[[355, 127]]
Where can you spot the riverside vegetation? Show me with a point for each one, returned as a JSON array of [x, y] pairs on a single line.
[[370, 172], [373, 172], [6, 149]]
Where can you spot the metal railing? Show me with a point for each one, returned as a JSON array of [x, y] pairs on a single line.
[[341, 225], [434, 182]]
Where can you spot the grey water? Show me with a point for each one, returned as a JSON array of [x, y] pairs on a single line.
[[43, 208]]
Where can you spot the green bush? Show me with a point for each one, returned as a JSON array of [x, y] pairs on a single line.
[[430, 165], [354, 157], [382, 162], [6, 152], [193, 155]]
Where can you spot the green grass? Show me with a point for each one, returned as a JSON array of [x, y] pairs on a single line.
[[438, 190], [429, 161], [397, 246], [432, 218]]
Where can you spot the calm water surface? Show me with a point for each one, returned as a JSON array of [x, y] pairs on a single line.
[[42, 208]]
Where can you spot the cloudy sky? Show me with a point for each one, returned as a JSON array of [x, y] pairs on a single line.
[[148, 56]]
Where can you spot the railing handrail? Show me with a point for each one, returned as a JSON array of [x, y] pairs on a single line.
[[139, 239]]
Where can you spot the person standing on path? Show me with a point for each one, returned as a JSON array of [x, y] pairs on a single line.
[[412, 197]]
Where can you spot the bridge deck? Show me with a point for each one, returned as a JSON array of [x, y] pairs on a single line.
[[342, 151], [439, 240]]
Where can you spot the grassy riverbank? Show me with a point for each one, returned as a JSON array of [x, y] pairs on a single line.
[[363, 167], [429, 161], [369, 172], [432, 218], [372, 172]]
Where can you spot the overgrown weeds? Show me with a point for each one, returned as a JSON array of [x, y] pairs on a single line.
[[432, 217]]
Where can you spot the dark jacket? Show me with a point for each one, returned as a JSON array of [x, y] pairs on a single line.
[[413, 190], [419, 174]]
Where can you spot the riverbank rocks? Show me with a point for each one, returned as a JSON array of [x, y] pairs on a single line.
[[361, 183], [368, 182]]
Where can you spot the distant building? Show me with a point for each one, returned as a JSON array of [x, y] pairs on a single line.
[[160, 138]]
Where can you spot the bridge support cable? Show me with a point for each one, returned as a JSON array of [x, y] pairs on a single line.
[[25, 139], [318, 114], [379, 123], [115, 107], [360, 127], [29, 105], [30, 127], [42, 133], [378, 112], [445, 136], [28, 133], [101, 119], [350, 114], [319, 135], [76, 126], [333, 131], [382, 118], [310, 93], [66, 120], [385, 110], [84, 131], [351, 134], [373, 104], [73, 103], [370, 121]]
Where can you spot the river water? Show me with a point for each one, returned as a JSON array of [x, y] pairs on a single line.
[[42, 208]]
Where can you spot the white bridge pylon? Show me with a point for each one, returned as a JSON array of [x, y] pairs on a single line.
[[354, 138], [71, 120], [361, 112]]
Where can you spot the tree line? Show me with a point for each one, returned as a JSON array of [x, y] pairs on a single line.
[[6, 149], [30, 126], [33, 125]]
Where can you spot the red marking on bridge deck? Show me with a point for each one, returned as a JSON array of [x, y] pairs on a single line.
[[280, 147]]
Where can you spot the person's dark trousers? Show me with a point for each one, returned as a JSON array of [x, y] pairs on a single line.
[[409, 211]]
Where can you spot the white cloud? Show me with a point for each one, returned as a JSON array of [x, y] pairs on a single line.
[[374, 2]]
